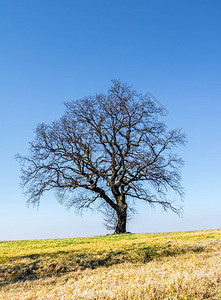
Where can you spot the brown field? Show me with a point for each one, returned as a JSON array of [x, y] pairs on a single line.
[[182, 265]]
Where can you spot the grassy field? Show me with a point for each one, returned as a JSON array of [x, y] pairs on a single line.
[[184, 265]]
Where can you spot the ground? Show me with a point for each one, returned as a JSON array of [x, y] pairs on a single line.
[[182, 265]]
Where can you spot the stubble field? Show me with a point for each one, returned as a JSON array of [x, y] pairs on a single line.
[[181, 265]]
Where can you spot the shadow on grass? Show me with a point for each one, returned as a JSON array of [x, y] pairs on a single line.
[[39, 266]]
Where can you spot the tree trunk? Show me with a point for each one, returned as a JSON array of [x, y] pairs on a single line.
[[122, 220]]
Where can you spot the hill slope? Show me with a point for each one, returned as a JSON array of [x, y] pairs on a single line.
[[183, 265]]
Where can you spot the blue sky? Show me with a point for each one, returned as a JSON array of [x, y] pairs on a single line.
[[56, 51]]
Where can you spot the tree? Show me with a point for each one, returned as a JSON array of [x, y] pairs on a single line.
[[107, 151]]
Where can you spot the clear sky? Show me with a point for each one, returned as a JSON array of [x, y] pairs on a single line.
[[54, 51]]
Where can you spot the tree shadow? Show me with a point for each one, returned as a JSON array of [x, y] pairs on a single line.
[[46, 265]]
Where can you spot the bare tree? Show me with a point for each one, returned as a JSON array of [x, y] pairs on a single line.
[[108, 151]]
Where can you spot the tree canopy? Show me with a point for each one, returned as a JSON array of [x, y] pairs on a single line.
[[107, 152]]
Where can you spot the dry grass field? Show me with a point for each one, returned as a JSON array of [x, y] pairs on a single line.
[[183, 265]]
